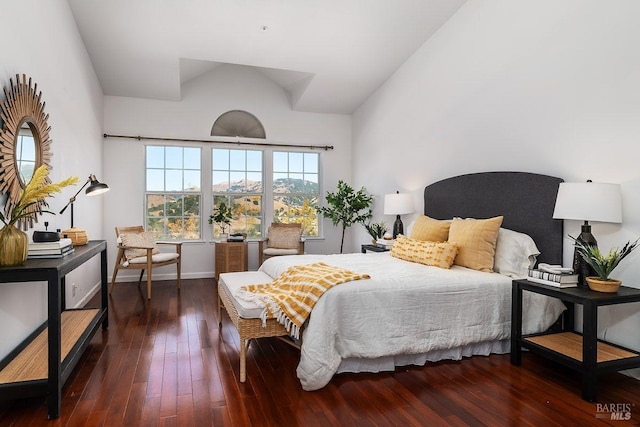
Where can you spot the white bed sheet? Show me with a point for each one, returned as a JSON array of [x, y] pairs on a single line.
[[407, 313]]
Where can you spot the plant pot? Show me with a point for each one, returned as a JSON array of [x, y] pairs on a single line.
[[13, 246], [597, 284]]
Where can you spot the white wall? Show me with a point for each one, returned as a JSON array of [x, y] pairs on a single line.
[[545, 86], [41, 41], [204, 99]]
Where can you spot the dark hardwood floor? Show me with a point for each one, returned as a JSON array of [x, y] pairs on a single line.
[[166, 363]]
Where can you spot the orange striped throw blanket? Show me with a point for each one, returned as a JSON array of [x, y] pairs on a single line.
[[292, 295]]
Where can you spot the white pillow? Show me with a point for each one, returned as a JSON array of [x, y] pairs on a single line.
[[515, 254]]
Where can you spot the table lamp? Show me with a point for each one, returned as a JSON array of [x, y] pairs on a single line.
[[398, 204], [588, 201], [78, 235]]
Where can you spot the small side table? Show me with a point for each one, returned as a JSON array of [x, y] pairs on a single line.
[[373, 248], [230, 257], [581, 352]]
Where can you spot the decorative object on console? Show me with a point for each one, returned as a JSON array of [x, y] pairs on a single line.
[[13, 242], [45, 236], [78, 235], [347, 207], [602, 264], [588, 201], [398, 204]]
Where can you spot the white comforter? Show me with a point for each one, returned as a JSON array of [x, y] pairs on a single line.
[[405, 309]]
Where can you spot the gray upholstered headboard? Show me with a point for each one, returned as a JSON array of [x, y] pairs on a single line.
[[526, 201]]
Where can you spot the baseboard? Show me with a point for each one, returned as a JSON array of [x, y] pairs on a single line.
[[165, 276], [92, 292]]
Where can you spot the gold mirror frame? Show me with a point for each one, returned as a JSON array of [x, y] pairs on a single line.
[[22, 103]]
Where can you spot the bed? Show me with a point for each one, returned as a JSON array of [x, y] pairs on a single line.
[[409, 313]]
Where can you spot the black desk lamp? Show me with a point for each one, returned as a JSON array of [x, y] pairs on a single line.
[[94, 188], [588, 201]]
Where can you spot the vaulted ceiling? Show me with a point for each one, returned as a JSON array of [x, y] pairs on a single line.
[[329, 55]]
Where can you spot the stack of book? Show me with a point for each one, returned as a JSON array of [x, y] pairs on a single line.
[[50, 249], [559, 280], [384, 243]]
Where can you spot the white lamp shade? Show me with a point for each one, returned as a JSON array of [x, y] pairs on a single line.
[[398, 204], [589, 201]]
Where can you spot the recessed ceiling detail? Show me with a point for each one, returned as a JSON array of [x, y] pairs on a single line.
[[238, 123]]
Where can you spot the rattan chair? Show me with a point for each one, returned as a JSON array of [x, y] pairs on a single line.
[[267, 248], [147, 262]]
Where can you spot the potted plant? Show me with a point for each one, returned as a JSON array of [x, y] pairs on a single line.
[[13, 242], [222, 218], [376, 230], [603, 264], [347, 207]]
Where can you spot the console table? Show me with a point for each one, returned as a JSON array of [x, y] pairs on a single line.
[[60, 341], [581, 352]]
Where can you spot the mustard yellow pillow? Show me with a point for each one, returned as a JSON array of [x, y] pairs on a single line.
[[476, 240], [430, 230], [437, 254]]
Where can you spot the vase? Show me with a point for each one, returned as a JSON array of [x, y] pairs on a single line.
[[13, 246], [600, 285]]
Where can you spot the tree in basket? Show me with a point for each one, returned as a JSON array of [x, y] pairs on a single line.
[[347, 207], [221, 217], [13, 241], [602, 264]]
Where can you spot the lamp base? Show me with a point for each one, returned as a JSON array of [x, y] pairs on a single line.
[[398, 228], [580, 266], [78, 236]]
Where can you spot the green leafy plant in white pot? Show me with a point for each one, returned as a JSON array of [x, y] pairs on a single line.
[[376, 230], [222, 218], [603, 264]]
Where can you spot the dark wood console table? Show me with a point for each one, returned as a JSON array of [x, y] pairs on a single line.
[[65, 334]]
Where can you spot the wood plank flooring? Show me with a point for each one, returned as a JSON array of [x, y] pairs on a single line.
[[165, 363]]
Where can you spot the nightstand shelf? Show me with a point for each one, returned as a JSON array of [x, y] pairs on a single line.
[[581, 352], [372, 248]]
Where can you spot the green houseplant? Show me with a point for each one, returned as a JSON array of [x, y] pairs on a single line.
[[221, 217], [376, 230], [603, 264], [347, 207]]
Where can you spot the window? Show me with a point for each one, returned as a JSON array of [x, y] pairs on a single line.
[[295, 189], [172, 202], [236, 179]]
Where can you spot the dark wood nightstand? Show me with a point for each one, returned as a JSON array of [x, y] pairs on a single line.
[[581, 352], [373, 248]]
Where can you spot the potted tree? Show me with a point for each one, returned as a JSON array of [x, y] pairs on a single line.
[[347, 207], [603, 264], [222, 218]]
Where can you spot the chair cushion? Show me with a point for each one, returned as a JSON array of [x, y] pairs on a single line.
[[138, 240], [284, 237], [276, 251], [232, 282], [159, 257]]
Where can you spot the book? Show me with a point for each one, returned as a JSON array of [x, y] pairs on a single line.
[[385, 244], [560, 278], [59, 251], [552, 283], [62, 243], [59, 254]]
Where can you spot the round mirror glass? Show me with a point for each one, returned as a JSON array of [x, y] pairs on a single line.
[[25, 154]]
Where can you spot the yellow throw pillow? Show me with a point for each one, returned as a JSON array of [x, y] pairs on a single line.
[[430, 230], [476, 240], [437, 254]]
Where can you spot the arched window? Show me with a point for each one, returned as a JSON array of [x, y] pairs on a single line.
[[238, 123]]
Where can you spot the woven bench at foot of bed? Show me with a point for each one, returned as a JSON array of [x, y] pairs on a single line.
[[248, 328]]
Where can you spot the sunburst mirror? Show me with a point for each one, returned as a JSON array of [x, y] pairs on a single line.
[[24, 142]]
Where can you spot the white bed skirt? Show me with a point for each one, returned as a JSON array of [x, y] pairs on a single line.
[[389, 363]]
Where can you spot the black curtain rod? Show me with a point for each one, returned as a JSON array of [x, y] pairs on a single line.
[[258, 144]]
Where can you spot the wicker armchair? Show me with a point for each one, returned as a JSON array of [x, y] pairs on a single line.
[[282, 239], [138, 251]]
